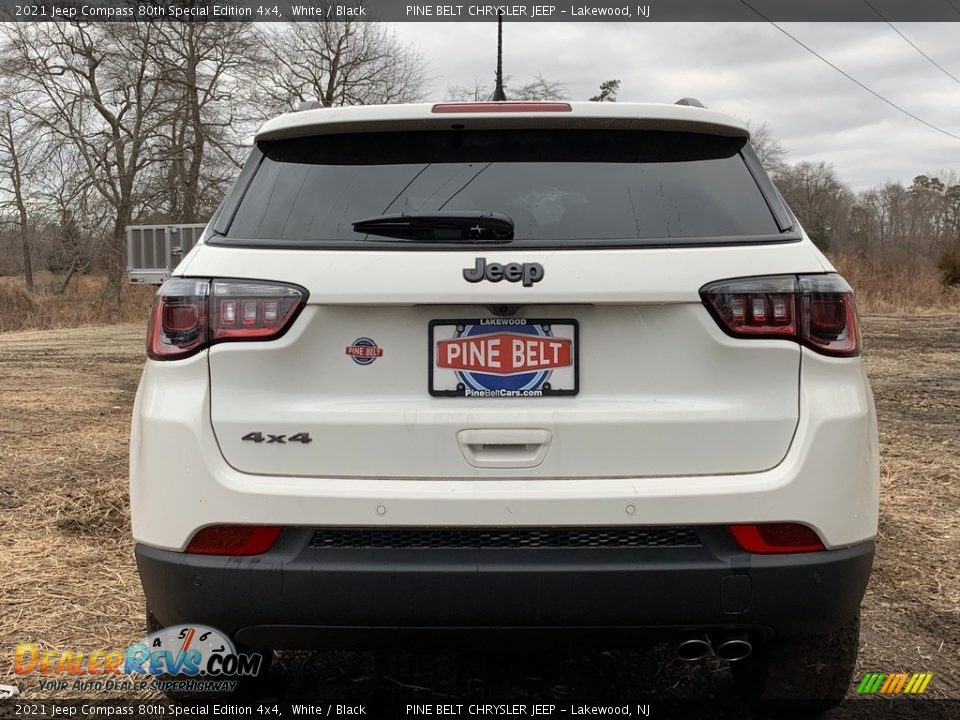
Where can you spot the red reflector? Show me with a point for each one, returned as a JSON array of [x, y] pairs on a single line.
[[234, 540], [502, 107], [766, 538]]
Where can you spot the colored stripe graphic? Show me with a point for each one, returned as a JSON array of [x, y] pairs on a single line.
[[894, 684], [886, 685], [903, 679], [927, 677], [870, 683]]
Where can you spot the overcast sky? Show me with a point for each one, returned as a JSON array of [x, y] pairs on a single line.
[[749, 70]]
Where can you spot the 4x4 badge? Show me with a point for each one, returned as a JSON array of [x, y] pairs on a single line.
[[528, 273]]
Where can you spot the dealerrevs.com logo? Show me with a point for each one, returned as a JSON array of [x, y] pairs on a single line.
[[189, 658]]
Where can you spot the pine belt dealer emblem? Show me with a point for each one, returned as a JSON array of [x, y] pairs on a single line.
[[364, 351]]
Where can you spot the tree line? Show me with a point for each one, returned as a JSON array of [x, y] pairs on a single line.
[[110, 124], [921, 219]]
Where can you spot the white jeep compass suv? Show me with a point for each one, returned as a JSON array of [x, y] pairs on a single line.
[[541, 368]]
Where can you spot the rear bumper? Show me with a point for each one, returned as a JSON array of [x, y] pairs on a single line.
[[297, 596]]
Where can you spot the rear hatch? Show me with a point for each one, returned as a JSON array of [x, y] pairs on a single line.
[[578, 348]]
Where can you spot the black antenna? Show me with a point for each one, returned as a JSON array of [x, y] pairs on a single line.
[[498, 93]]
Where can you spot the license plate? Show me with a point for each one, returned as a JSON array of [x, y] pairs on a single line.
[[503, 357]]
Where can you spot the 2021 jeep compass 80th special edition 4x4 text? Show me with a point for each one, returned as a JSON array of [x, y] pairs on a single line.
[[494, 368]]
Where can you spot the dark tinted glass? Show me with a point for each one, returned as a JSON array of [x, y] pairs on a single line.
[[569, 186]]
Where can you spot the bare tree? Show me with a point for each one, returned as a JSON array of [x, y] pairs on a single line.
[[205, 66], [157, 114], [79, 218], [339, 63], [475, 91], [769, 149], [818, 198], [540, 88], [97, 88], [19, 151]]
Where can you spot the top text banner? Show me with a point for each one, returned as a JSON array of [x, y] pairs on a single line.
[[416, 11]]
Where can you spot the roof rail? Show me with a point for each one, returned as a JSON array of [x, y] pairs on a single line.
[[308, 105], [692, 102]]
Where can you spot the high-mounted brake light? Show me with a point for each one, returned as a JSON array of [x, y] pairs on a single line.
[[816, 310], [502, 107], [234, 540], [189, 315], [767, 538]]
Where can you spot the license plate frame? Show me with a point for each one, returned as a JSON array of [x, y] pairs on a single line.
[[510, 382]]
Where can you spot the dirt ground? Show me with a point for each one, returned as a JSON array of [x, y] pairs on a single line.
[[68, 581]]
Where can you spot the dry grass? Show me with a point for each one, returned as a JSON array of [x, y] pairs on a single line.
[[86, 301], [68, 580], [67, 576], [891, 285], [911, 615]]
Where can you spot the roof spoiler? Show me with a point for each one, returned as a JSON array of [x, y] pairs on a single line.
[[692, 102]]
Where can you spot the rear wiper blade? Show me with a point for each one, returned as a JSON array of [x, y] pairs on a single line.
[[453, 226]]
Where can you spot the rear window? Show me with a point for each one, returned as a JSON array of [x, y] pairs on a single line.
[[560, 187]]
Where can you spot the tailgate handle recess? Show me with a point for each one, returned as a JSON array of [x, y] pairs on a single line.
[[504, 448]]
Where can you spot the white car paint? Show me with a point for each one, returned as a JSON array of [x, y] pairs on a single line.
[[676, 423]]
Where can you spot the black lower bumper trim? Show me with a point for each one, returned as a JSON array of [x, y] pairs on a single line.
[[298, 596]]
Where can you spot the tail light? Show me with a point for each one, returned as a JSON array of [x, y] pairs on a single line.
[[767, 538], [816, 310], [234, 540], [252, 310], [189, 315], [178, 320]]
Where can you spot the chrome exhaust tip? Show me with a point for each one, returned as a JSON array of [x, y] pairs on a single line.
[[692, 648], [734, 647]]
